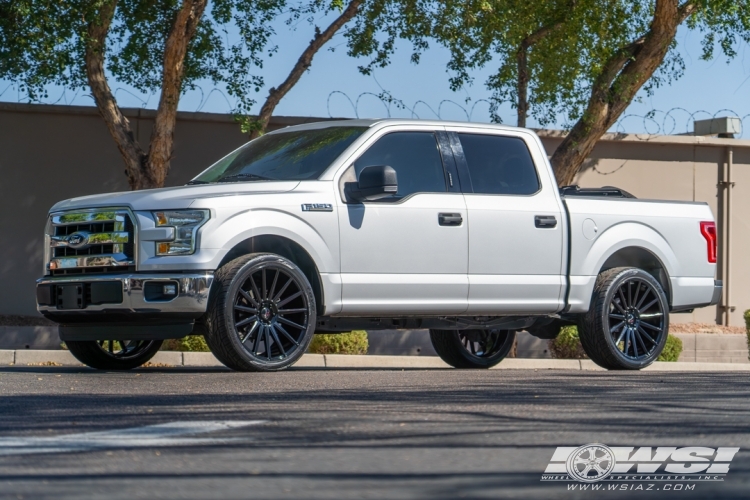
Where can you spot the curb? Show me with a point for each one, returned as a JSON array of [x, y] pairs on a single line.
[[167, 359]]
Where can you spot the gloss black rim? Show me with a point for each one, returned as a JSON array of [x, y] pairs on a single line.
[[636, 319], [124, 349], [271, 314], [482, 343]]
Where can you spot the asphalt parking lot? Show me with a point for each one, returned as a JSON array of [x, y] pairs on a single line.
[[304, 433]]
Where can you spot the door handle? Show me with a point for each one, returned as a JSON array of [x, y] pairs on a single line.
[[450, 219], [545, 221]]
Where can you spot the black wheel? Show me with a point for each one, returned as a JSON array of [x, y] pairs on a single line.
[[472, 348], [113, 354], [627, 324], [261, 316]]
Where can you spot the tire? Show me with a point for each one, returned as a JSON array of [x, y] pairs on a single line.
[[261, 314], [472, 348], [627, 325], [114, 355]]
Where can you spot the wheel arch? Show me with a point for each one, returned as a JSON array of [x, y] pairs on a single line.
[[636, 256], [629, 244], [287, 248]]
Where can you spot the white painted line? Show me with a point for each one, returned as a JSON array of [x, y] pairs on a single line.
[[169, 434]]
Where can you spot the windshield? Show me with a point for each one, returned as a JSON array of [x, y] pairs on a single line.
[[289, 156]]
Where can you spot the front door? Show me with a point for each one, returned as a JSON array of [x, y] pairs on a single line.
[[515, 227], [407, 254]]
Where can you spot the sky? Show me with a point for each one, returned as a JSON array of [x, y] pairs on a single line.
[[334, 87]]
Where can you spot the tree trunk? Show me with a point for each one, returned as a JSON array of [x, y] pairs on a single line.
[[522, 62], [175, 50], [117, 123], [522, 105], [303, 63], [143, 170], [622, 77]]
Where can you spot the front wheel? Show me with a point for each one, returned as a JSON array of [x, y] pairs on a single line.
[[113, 354], [261, 316], [627, 325], [472, 348]]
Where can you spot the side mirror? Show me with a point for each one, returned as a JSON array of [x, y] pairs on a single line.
[[375, 182]]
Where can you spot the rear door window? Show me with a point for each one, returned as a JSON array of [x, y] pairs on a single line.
[[499, 164]]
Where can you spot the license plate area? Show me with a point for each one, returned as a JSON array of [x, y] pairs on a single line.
[[70, 296]]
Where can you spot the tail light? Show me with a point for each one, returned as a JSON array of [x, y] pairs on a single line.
[[708, 230]]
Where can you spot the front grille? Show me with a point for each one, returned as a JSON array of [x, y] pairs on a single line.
[[91, 242]]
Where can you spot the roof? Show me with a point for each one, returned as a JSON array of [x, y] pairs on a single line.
[[392, 121]]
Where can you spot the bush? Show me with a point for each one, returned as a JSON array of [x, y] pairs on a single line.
[[567, 345], [339, 343], [672, 349], [192, 343], [747, 330]]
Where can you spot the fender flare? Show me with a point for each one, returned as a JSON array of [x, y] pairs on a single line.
[[627, 235], [270, 222]]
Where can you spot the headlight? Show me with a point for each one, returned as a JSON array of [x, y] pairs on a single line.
[[185, 224]]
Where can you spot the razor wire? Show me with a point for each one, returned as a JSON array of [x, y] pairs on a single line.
[[674, 121]]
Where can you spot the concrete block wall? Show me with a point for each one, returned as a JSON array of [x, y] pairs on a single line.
[[696, 347], [724, 348]]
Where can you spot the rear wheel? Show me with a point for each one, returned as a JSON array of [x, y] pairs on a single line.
[[262, 313], [627, 324], [113, 354], [472, 348]]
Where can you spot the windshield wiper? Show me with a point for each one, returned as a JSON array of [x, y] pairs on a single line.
[[244, 177], [192, 183]]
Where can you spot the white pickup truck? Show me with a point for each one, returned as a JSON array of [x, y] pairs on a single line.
[[374, 224]]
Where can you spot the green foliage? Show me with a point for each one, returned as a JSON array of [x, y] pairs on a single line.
[[192, 343], [747, 328], [339, 343], [43, 42], [672, 349], [567, 345], [578, 38]]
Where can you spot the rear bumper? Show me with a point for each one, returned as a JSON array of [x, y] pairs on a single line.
[[131, 306], [698, 293]]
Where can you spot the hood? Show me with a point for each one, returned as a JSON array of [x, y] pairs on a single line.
[[174, 197]]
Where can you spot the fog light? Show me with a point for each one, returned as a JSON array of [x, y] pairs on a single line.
[[160, 291]]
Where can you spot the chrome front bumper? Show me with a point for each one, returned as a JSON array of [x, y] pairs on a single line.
[[190, 298]]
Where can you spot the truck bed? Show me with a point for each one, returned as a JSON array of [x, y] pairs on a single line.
[[664, 237]]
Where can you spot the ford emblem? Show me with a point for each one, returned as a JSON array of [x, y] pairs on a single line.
[[78, 240]]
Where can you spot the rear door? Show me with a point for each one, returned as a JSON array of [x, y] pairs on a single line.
[[407, 254], [515, 224]]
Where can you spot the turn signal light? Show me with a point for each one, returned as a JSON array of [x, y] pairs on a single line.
[[708, 230]]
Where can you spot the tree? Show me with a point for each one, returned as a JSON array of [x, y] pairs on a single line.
[[509, 32], [257, 126], [541, 50], [633, 65], [163, 45], [584, 59]]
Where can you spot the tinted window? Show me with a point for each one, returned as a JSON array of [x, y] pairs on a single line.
[[296, 155], [414, 156], [499, 165]]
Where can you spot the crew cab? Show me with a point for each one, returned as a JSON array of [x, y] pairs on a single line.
[[459, 228]]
